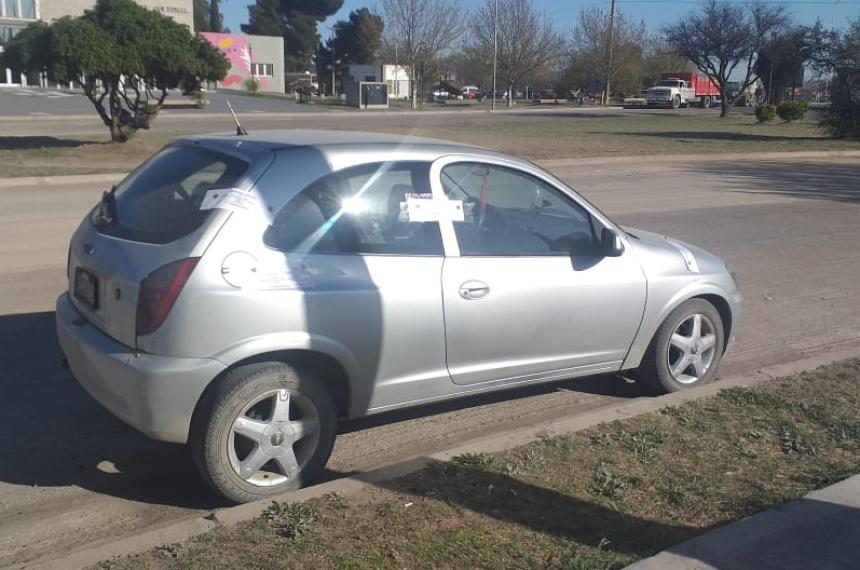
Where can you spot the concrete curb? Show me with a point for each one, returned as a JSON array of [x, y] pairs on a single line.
[[190, 527], [726, 157], [547, 163], [30, 181]]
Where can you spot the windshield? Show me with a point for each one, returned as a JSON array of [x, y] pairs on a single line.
[[160, 201]]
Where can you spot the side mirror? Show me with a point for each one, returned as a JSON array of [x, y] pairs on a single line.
[[610, 243]]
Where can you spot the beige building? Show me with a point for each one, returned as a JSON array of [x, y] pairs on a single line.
[[18, 14]]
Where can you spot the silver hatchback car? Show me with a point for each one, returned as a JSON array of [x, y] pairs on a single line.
[[242, 293]]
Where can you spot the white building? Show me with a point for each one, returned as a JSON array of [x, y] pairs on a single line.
[[397, 79]]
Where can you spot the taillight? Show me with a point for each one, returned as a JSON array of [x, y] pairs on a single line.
[[159, 292]]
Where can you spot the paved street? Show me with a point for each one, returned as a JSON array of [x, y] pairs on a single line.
[[71, 473]]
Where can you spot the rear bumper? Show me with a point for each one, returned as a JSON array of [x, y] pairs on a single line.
[[154, 394]]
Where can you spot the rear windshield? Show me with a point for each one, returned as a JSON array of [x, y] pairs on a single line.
[[160, 201]]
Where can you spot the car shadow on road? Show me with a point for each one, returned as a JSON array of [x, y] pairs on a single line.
[[53, 434], [510, 500], [817, 180], [31, 142]]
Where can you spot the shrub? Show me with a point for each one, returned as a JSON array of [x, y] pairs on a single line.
[[765, 113], [252, 86], [792, 110]]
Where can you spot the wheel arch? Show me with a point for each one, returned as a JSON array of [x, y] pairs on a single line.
[[326, 368]]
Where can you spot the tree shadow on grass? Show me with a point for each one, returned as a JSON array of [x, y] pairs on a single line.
[[717, 136], [31, 142], [505, 499]]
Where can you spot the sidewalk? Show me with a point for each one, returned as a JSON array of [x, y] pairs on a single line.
[[821, 531]]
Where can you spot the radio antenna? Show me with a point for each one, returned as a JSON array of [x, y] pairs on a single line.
[[240, 130]]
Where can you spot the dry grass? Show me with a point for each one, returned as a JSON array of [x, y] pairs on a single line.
[[533, 136], [598, 499]]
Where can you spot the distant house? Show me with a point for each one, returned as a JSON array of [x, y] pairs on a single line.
[[260, 57]]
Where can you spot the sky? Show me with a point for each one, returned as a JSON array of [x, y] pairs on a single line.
[[655, 13]]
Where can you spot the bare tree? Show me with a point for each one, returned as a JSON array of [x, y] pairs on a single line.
[[526, 41], [591, 47], [721, 37], [418, 30]]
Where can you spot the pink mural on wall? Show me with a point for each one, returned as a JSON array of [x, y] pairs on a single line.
[[238, 52]]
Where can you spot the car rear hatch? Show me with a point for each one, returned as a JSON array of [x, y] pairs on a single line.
[[154, 218]]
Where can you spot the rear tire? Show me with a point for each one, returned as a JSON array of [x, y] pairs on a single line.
[[683, 354], [705, 102], [263, 429]]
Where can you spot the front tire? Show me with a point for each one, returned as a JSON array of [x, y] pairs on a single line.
[[676, 101], [263, 429], [686, 349]]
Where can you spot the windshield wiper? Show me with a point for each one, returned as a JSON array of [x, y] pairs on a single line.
[[107, 207]]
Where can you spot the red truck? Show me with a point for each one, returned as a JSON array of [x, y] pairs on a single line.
[[683, 88]]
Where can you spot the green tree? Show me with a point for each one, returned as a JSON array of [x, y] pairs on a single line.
[[201, 16], [216, 20], [781, 62], [837, 55], [357, 40], [297, 19], [124, 56], [265, 19]]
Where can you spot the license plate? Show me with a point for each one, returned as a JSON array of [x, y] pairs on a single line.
[[86, 288]]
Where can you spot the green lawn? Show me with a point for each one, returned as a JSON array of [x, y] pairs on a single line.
[[597, 499]]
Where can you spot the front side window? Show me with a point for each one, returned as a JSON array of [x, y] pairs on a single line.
[[511, 213], [359, 210]]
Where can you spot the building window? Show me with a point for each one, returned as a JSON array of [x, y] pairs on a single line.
[[263, 69], [24, 9], [28, 9], [7, 33]]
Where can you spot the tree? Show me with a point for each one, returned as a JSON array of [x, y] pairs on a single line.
[[356, 40], [659, 59], [265, 19], [201, 16], [526, 42], [837, 54], [419, 30], [124, 56], [297, 20], [780, 62], [216, 21], [721, 36], [591, 49]]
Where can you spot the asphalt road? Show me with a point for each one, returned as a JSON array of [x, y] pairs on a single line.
[[70, 473]]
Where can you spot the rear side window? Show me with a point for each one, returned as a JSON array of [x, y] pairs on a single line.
[[160, 201], [359, 210]]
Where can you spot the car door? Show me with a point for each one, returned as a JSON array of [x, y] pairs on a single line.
[[526, 293]]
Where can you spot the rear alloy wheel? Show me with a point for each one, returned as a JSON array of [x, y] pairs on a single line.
[[264, 429], [686, 350]]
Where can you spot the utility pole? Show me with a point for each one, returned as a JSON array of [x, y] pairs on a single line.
[[609, 54], [332, 61], [496, 49]]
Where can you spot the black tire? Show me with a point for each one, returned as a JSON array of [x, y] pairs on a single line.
[[654, 370], [210, 438], [676, 101], [706, 102]]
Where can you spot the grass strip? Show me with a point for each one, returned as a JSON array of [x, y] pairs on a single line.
[[597, 499]]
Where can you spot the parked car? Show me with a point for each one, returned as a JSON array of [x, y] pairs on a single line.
[[242, 294], [470, 92]]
